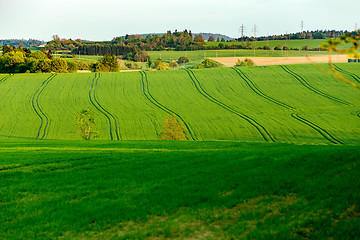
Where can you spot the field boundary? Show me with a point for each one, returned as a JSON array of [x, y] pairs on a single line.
[[149, 97], [312, 88], [39, 112], [261, 129], [94, 101]]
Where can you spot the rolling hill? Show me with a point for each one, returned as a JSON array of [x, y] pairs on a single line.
[[294, 104]]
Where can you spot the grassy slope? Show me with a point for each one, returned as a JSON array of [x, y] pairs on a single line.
[[335, 117], [18, 119], [232, 110], [122, 95], [212, 190]]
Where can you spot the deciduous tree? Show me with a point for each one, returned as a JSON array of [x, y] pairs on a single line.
[[86, 124], [173, 64], [172, 129]]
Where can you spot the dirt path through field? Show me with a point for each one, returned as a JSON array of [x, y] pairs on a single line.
[[260, 61]]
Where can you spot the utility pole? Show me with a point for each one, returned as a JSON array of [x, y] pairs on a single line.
[[286, 44], [254, 30], [242, 31], [356, 27]]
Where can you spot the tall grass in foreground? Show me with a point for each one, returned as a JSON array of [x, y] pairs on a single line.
[[152, 189]]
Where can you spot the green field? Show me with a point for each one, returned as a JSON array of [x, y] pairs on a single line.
[[273, 153], [166, 190], [294, 104], [295, 43]]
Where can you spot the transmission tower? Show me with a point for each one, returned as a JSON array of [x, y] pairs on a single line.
[[254, 30], [242, 31], [356, 27], [302, 26]]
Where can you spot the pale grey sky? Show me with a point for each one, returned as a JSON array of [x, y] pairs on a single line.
[[105, 19]]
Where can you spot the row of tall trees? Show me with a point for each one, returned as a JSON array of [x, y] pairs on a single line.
[[97, 49]]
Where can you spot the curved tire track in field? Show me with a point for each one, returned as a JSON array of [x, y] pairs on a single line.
[[4, 78], [320, 130], [148, 96], [113, 126], [261, 129], [44, 120], [256, 90], [354, 76], [312, 88], [296, 116]]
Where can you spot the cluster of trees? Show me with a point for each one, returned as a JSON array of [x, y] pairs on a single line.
[[177, 41], [21, 60], [62, 44], [108, 63], [160, 65], [207, 63], [245, 62], [122, 46], [212, 39]]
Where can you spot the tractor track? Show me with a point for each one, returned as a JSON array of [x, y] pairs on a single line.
[[4, 78], [256, 90], [320, 130], [354, 76], [150, 98], [311, 88], [113, 128], [261, 129], [44, 120], [296, 116]]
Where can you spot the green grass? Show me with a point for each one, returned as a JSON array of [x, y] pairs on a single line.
[[82, 58], [294, 104], [166, 190]]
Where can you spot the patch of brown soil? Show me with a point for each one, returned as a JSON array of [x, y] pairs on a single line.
[[261, 61]]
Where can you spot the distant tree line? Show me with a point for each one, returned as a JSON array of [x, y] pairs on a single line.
[[318, 34], [180, 41], [21, 42]]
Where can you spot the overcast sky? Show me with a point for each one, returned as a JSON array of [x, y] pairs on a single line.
[[105, 19]]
